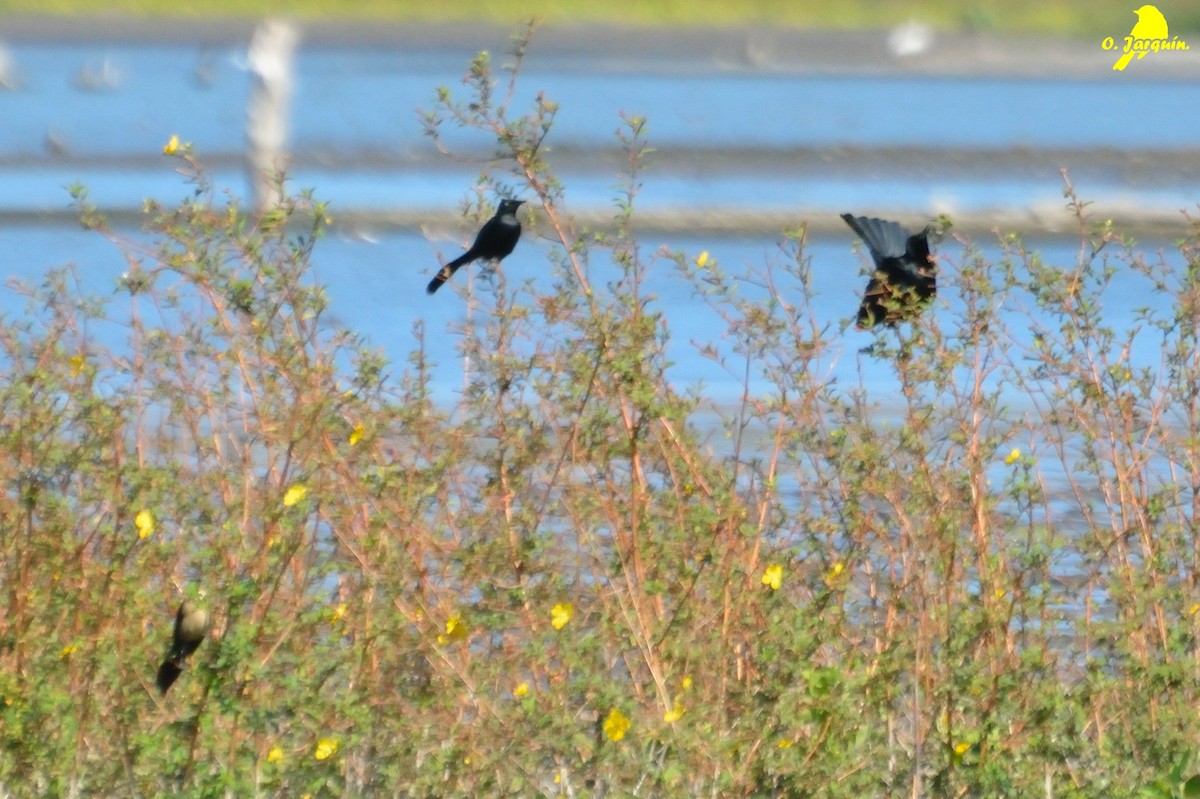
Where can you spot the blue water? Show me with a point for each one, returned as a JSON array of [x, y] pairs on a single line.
[[366, 99], [358, 106], [376, 286]]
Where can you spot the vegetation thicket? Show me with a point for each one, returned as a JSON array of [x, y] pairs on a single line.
[[578, 579]]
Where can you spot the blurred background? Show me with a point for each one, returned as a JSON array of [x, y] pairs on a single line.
[[763, 116]]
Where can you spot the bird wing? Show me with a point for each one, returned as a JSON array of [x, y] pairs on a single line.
[[918, 263], [884, 239], [889, 301], [873, 308]]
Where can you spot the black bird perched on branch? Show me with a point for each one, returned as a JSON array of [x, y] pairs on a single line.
[[905, 279], [191, 625], [496, 239]]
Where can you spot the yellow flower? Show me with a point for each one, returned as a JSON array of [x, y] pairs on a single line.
[[521, 690], [835, 571], [1194, 609], [172, 145], [1012, 457], [67, 651], [616, 725], [773, 576], [77, 362], [326, 748], [702, 259], [145, 523], [275, 755], [456, 630], [674, 714], [339, 612], [560, 614], [785, 743], [294, 494], [356, 434], [961, 748]]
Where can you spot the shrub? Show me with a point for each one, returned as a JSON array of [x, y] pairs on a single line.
[[579, 579]]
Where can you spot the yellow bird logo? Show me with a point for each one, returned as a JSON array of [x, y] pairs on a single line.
[[1151, 24]]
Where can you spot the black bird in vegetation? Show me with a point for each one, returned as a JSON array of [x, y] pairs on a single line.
[[495, 241], [905, 279], [191, 626]]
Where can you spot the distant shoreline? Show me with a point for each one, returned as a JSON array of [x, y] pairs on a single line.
[[1033, 224], [742, 48], [1045, 219]]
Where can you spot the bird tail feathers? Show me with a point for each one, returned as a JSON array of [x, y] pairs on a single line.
[[884, 239], [168, 673], [448, 270]]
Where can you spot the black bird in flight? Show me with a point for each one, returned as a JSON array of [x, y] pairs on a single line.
[[905, 279], [191, 626], [496, 239]]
